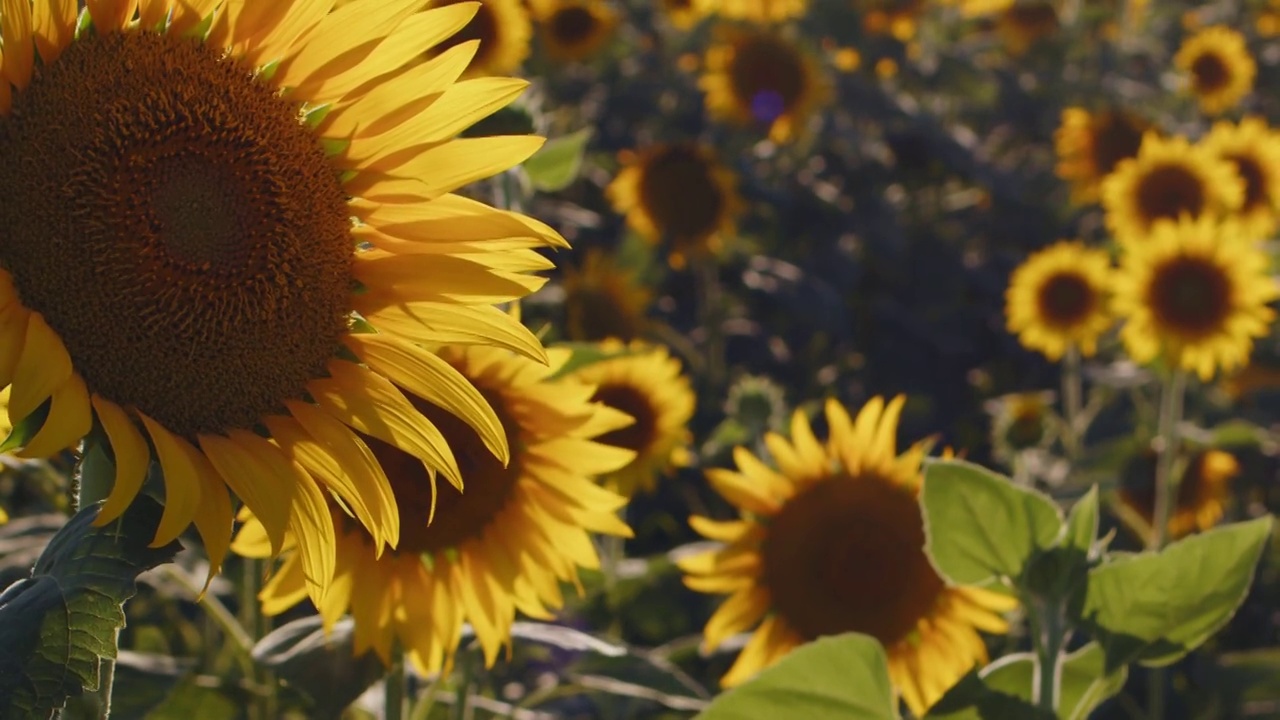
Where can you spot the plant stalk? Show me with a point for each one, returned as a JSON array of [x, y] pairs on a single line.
[[95, 478], [1171, 399], [393, 689], [1072, 399], [1050, 637]]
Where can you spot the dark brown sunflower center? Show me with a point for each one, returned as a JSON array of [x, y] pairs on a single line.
[[1027, 427], [767, 75], [847, 555], [573, 25], [1209, 73], [1116, 136], [177, 227], [638, 436], [483, 27], [680, 194], [1190, 295], [1066, 299], [1168, 191], [1256, 195]]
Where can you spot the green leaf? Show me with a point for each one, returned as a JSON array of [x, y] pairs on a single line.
[[558, 162], [56, 625], [584, 354], [1155, 608], [973, 698], [1082, 522], [979, 526], [841, 677], [1005, 685]]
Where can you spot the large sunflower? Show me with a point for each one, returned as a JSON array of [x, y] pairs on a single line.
[[758, 77], [645, 382], [506, 544], [603, 300], [1217, 67], [1057, 299], [1089, 145], [678, 194], [574, 30], [1169, 179], [831, 542], [1203, 490], [1254, 149], [1195, 293], [503, 29], [183, 271]]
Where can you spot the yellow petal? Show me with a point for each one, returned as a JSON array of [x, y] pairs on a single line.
[[742, 492], [13, 333], [257, 481], [181, 481], [54, 22], [404, 278], [251, 539], [330, 49], [294, 20], [735, 615], [70, 419], [111, 15], [447, 167], [19, 57], [132, 457], [213, 519], [434, 323], [286, 588], [42, 368]]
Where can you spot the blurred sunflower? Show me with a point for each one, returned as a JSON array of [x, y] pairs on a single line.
[[1089, 145], [677, 194], [1196, 293], [520, 530], [1024, 24], [1169, 179], [574, 30], [898, 19], [756, 11], [204, 219], [645, 382], [1217, 67], [1254, 149], [1020, 421], [603, 300], [684, 14], [503, 29], [978, 8], [1203, 490], [812, 531], [1057, 299], [758, 77]]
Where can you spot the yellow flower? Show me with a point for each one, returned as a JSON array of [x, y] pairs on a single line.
[[503, 29], [604, 301], [647, 384], [684, 14], [896, 18], [1203, 490], [1020, 421], [758, 77], [677, 194], [977, 8], [1196, 293], [1024, 24], [1057, 299], [1253, 149], [756, 11], [1217, 68], [503, 546], [574, 30], [832, 541], [1169, 179], [1089, 145], [190, 245]]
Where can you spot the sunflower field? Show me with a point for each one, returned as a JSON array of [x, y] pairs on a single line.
[[715, 359]]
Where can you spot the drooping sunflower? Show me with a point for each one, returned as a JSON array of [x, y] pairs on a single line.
[[574, 30], [603, 300], [813, 531], [764, 12], [1169, 179], [1023, 24], [1254, 149], [645, 382], [183, 271], [761, 78], [1057, 299], [1218, 68], [1196, 293], [677, 194], [1089, 145], [504, 545], [1203, 490], [503, 29]]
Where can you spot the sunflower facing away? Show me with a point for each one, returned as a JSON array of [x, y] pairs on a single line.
[[503, 28], [677, 194], [1203, 490], [1218, 68], [1170, 178], [183, 272], [758, 77], [504, 545], [646, 383], [813, 532], [1254, 149], [1089, 145], [574, 30], [1196, 293], [1057, 299], [603, 300]]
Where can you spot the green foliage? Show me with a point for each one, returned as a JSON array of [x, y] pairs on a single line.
[[1004, 686], [557, 164], [584, 354]]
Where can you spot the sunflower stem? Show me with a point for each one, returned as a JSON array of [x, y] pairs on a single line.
[[707, 271], [1072, 395], [393, 686], [1171, 398], [1050, 629], [95, 475]]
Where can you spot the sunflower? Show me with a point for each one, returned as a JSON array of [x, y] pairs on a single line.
[[520, 530], [684, 14], [758, 77], [1057, 299], [1217, 68], [1203, 490], [755, 11], [574, 30], [813, 532], [897, 18], [1196, 293], [1024, 24], [503, 29], [1089, 145], [603, 300], [678, 193], [645, 382], [1169, 179], [184, 274], [1020, 421], [1254, 149], [978, 8]]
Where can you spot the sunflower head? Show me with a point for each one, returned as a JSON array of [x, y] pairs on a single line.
[[1204, 489], [1089, 145], [603, 300], [1023, 24], [1217, 68], [831, 541], [1057, 299], [1253, 148], [503, 29], [1020, 421], [1196, 293], [759, 77], [574, 30], [1169, 179]]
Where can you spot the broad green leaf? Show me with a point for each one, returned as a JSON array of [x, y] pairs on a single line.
[[56, 625], [1155, 608], [842, 677], [1082, 522], [557, 163], [972, 698], [979, 526]]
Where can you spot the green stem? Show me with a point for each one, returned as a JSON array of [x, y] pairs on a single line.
[[221, 616], [393, 692], [707, 270], [107, 681], [94, 478], [462, 698], [1072, 395], [1050, 630], [1171, 399]]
